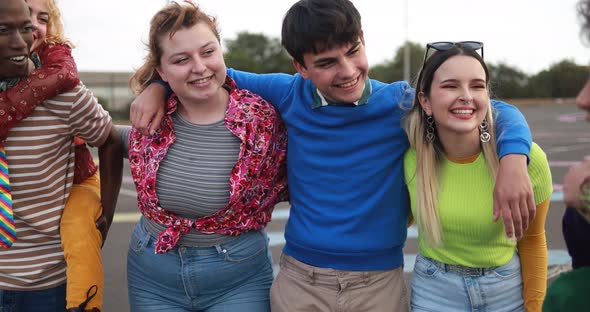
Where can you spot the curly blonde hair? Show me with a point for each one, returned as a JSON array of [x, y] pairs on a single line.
[[55, 27]]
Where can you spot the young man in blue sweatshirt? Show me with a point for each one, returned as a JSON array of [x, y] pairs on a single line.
[[349, 205]]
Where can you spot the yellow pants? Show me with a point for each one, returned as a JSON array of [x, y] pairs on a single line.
[[81, 242]]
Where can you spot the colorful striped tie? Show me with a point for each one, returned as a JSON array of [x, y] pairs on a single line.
[[7, 231]]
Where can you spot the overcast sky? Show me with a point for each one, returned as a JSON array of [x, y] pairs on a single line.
[[528, 34]]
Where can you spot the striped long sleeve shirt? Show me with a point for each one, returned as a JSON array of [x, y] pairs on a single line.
[[40, 153]]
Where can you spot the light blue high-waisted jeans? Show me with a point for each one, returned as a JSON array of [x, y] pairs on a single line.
[[234, 276], [437, 288]]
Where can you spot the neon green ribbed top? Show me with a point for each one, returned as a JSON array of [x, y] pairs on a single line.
[[470, 236]]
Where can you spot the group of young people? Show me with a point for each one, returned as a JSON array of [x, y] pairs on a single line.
[[357, 159]]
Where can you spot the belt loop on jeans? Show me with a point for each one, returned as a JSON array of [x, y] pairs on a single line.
[[460, 269], [310, 275], [366, 278]]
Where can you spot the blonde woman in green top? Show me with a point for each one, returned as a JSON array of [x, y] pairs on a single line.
[[466, 262]]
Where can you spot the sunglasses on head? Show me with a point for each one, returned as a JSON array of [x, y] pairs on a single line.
[[447, 45]]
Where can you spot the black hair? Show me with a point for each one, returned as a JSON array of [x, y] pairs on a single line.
[[317, 25]]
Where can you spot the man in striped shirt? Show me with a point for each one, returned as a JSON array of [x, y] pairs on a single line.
[[40, 153]]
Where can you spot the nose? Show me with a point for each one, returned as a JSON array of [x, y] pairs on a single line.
[[466, 95], [36, 24], [583, 98], [17, 41], [347, 69], [198, 65]]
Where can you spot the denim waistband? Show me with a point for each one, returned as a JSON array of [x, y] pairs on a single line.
[[461, 269]]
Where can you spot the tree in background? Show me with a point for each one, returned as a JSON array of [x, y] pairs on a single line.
[[257, 53], [261, 54], [507, 82], [561, 80], [393, 70]]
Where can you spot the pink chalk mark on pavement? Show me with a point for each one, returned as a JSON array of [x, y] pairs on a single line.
[[571, 118], [561, 163]]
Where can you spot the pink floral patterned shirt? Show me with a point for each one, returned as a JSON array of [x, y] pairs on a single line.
[[258, 180]]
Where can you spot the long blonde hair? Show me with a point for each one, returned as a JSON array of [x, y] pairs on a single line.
[[168, 20], [430, 154]]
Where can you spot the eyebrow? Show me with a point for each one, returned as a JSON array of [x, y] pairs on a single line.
[[16, 23], [457, 80], [329, 59], [206, 45]]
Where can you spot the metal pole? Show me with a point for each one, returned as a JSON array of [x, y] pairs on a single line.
[[407, 68]]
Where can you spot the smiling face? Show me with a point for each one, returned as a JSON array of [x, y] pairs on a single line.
[[338, 73], [192, 63], [16, 38], [458, 99], [40, 18]]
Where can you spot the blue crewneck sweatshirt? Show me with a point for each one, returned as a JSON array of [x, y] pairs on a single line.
[[349, 202]]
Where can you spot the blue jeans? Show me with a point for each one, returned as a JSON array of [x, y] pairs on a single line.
[[234, 276], [47, 300], [498, 289]]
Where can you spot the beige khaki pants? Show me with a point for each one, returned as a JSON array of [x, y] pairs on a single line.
[[302, 287]]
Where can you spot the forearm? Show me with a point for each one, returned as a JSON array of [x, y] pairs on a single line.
[[110, 156], [532, 249], [513, 195]]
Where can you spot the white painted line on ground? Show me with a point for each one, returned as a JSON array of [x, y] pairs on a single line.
[[561, 163], [126, 217], [278, 214], [557, 197], [128, 192]]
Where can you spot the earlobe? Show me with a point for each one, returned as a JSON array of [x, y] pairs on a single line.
[[300, 69], [162, 75]]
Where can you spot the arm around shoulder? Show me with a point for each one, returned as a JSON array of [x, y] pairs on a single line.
[[513, 194], [147, 109]]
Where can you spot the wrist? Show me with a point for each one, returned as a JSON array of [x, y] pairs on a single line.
[[164, 85], [514, 158]]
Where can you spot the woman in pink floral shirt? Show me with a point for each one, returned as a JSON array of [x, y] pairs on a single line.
[[200, 244]]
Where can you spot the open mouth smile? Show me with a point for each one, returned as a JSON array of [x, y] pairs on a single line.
[[349, 84]]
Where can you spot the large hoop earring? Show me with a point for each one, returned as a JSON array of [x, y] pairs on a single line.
[[429, 129], [484, 135]]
